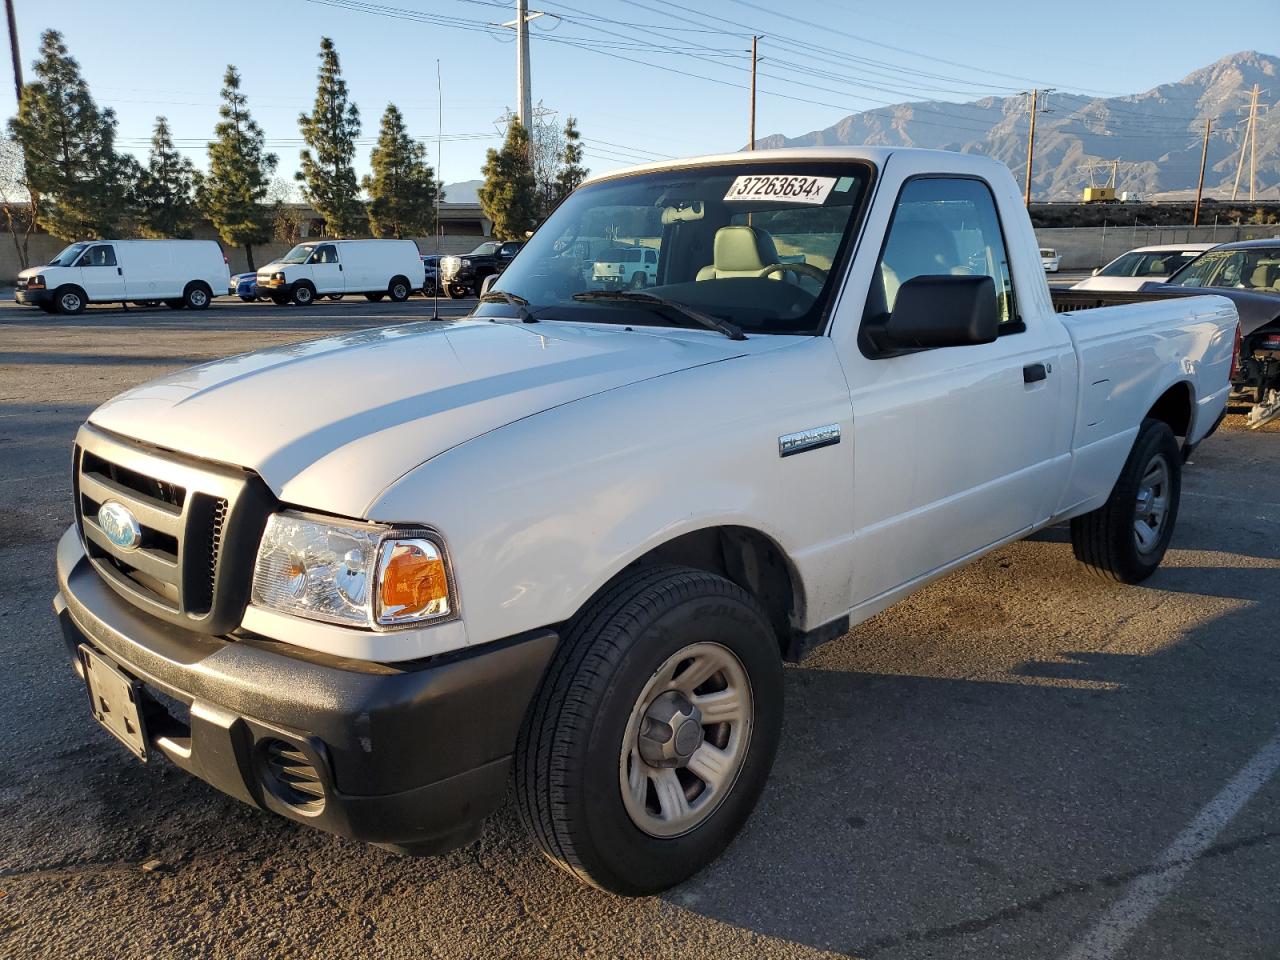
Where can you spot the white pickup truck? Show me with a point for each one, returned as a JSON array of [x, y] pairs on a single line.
[[361, 581]]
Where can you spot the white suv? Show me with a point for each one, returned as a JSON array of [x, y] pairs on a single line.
[[631, 266]]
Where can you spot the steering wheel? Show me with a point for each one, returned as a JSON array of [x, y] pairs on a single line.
[[805, 269]]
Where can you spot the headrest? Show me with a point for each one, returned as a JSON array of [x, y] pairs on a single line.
[[739, 249]]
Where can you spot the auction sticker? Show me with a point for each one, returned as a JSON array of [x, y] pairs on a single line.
[[781, 187]]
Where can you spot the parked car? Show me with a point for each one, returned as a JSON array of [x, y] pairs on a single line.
[[431, 278], [1154, 264], [1050, 260], [181, 273], [333, 268], [244, 286], [567, 543], [463, 276], [634, 267]]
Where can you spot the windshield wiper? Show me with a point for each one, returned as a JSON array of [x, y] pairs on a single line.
[[732, 331], [520, 303]]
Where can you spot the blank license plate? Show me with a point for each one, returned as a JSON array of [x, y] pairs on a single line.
[[115, 699]]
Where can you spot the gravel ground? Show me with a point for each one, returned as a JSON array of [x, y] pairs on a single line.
[[1020, 761]]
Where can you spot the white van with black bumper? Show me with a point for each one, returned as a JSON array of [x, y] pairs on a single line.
[[334, 268], [179, 273]]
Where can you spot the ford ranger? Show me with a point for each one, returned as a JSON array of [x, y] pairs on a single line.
[[368, 581]]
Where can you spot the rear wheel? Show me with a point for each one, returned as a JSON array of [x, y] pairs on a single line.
[[374, 297], [399, 289], [69, 300], [654, 730], [638, 281], [196, 296], [1126, 538]]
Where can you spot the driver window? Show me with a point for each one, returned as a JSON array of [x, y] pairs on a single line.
[[945, 226], [99, 256], [327, 253]]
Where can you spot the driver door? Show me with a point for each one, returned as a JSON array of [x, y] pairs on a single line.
[[326, 270], [101, 275]]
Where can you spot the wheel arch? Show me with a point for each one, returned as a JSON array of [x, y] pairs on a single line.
[[751, 559], [1176, 407]]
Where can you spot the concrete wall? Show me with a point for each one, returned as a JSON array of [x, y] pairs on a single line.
[[1083, 248]]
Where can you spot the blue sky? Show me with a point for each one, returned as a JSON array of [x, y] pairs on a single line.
[[616, 65]]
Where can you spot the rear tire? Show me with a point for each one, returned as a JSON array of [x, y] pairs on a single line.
[[638, 281], [1126, 538], [595, 805], [374, 297], [399, 289], [196, 296]]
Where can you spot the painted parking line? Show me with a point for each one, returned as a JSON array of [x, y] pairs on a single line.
[[1146, 893]]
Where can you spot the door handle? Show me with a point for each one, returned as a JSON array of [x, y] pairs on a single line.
[[1035, 372], [339, 268], [120, 271]]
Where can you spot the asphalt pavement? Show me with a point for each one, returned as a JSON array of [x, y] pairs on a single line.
[[1020, 761]]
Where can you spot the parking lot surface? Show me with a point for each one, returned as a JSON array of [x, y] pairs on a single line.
[[1020, 761]]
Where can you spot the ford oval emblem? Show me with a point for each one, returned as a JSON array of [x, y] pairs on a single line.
[[120, 525]]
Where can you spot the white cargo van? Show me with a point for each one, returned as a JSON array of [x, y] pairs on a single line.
[[182, 273], [376, 268]]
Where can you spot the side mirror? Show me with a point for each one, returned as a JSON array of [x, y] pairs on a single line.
[[942, 311], [487, 283]]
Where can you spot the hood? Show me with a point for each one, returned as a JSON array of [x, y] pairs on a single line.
[[1114, 284], [275, 265], [328, 424]]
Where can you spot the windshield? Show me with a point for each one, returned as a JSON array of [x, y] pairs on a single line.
[[68, 256], [751, 243], [1251, 268], [485, 249], [298, 254]]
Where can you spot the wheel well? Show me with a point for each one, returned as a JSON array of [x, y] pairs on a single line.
[[749, 559], [1174, 408]]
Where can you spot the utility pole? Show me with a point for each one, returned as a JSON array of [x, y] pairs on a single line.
[[751, 143], [1250, 131], [1204, 156], [13, 50], [1031, 140], [525, 95]]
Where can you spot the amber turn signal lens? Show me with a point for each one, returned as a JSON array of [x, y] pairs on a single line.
[[412, 582]]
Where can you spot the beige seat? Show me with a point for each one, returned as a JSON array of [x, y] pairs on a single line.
[[1264, 276], [741, 251], [917, 249]]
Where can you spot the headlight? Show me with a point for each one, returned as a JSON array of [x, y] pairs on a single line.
[[363, 575], [35, 283]]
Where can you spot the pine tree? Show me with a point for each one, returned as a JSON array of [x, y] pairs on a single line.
[[81, 183], [402, 186], [571, 172], [509, 195], [234, 191], [166, 201], [330, 130]]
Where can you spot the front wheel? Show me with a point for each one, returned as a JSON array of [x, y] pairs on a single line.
[[69, 300], [1126, 538], [654, 730], [196, 296], [303, 295]]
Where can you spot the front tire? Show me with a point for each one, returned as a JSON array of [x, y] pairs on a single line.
[[1126, 538], [303, 295], [653, 732], [69, 300]]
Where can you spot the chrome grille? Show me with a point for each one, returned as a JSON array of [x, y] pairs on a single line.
[[192, 517]]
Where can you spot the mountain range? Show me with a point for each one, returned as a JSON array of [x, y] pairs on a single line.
[[1155, 135]]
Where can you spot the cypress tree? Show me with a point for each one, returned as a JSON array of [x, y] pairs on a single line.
[[72, 168], [234, 191], [509, 195], [330, 131], [571, 172], [402, 186], [166, 201]]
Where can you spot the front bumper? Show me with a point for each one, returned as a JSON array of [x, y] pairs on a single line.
[[33, 298], [411, 756], [283, 291]]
